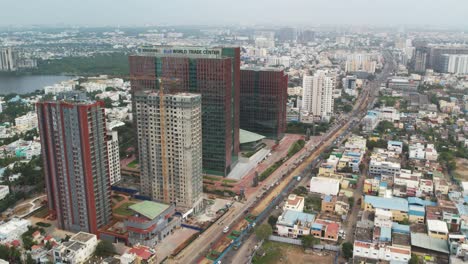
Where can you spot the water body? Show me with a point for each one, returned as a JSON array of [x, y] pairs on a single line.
[[28, 83]]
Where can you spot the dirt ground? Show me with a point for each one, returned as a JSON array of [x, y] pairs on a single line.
[[462, 169], [280, 253], [294, 255]]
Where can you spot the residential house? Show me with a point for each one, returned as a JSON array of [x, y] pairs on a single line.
[[293, 223], [295, 203]]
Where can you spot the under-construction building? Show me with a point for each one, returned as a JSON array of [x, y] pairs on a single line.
[[169, 128], [212, 72]]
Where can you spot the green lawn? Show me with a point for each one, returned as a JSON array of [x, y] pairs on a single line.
[[133, 164], [123, 209], [42, 213]]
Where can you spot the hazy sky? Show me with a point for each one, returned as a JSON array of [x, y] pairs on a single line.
[[222, 12]]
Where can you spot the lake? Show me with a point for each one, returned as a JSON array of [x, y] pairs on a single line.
[[28, 83]]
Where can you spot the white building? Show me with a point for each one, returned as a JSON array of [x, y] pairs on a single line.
[[378, 167], [26, 122], [78, 249], [13, 229], [4, 191], [293, 223], [113, 156], [8, 59], [170, 147], [361, 63], [384, 252], [456, 63], [437, 229], [383, 218], [417, 151], [61, 87], [295, 203], [317, 94], [431, 153], [324, 185]]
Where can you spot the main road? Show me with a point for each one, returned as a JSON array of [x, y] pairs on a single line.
[[200, 247]]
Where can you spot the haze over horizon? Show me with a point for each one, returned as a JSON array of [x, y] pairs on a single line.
[[450, 13]]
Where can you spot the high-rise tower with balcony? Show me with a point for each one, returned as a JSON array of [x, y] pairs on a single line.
[[75, 153]]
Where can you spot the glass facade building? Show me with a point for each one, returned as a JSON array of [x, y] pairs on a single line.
[[264, 96], [212, 72]]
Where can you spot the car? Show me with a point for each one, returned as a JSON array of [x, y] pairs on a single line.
[[226, 229]]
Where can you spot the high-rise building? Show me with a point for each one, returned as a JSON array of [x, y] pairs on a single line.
[[212, 72], [286, 34], [264, 95], [420, 59], [76, 166], [8, 58], [361, 63], [114, 157], [435, 56], [317, 94], [349, 85], [455, 63], [306, 36], [170, 147]]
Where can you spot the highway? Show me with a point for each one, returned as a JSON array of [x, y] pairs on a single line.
[[195, 252]]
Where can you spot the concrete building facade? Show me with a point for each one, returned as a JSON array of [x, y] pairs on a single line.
[[169, 131], [114, 157], [317, 95]]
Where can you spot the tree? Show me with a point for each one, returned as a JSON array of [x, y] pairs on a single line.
[[107, 102], [255, 180], [272, 221], [301, 190], [347, 249], [263, 231], [30, 260], [347, 108], [104, 248], [414, 259], [309, 241], [11, 254]]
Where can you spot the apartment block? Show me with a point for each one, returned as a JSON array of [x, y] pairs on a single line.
[[76, 161], [169, 129]]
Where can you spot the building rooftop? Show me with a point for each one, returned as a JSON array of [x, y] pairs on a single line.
[[387, 203], [82, 237], [364, 234], [419, 201], [248, 137], [324, 185], [294, 200], [149, 209], [290, 217], [401, 239], [430, 243], [437, 226], [396, 227]]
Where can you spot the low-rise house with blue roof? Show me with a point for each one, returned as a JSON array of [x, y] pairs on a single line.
[[417, 209], [398, 206], [293, 223]]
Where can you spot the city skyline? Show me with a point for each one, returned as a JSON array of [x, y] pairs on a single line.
[[210, 12]]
